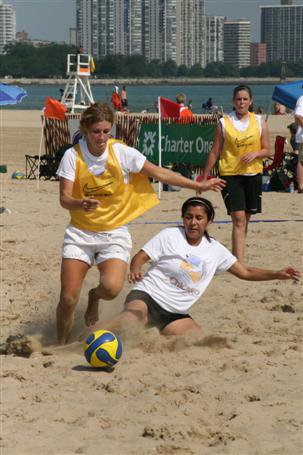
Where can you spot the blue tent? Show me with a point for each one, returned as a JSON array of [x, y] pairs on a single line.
[[288, 93]]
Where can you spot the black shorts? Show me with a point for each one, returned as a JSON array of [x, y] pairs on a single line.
[[156, 315], [124, 103], [243, 192]]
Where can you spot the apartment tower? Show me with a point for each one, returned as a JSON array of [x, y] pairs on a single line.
[[214, 39], [159, 29], [7, 25], [282, 31], [237, 42]]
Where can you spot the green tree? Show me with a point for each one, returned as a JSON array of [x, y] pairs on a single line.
[[196, 71], [136, 65], [182, 71], [25, 60], [213, 69], [169, 69], [154, 69]]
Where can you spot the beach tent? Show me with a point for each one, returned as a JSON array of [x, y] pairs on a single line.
[[288, 93]]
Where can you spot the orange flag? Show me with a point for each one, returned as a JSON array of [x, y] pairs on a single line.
[[54, 109], [169, 108]]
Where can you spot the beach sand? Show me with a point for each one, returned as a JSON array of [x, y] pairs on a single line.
[[239, 393]]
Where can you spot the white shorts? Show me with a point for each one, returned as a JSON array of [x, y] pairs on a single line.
[[96, 247]]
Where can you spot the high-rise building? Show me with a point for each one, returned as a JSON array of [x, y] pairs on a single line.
[[159, 29], [214, 39], [282, 31], [108, 41], [108, 27], [257, 53], [151, 26], [86, 17], [170, 30], [237, 42], [134, 31], [192, 34], [7, 25]]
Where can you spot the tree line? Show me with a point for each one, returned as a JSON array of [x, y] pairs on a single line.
[[49, 61]]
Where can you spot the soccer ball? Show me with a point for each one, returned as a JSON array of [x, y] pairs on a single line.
[[102, 349], [18, 175]]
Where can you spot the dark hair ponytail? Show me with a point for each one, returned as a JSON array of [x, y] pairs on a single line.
[[201, 202]]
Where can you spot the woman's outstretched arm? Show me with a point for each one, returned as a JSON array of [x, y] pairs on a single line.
[[254, 274], [172, 178]]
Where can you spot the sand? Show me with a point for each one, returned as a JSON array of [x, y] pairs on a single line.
[[237, 394]]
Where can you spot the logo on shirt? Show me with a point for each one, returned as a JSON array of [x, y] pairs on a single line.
[[94, 190], [190, 272], [192, 267], [247, 140]]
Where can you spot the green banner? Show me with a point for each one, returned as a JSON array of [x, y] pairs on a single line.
[[179, 143]]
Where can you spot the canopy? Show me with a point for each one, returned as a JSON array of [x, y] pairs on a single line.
[[288, 93], [11, 94]]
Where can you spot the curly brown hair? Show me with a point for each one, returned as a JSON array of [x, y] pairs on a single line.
[[95, 113]]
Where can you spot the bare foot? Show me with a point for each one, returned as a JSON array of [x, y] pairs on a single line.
[[92, 314]]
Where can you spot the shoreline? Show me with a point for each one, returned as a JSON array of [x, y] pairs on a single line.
[[151, 81]]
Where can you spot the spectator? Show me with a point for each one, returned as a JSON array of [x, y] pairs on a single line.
[[124, 101], [185, 113], [116, 101], [279, 109]]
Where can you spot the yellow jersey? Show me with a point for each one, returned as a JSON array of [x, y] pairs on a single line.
[[120, 202], [237, 144]]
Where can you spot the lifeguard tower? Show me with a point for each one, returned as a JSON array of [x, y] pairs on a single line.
[[77, 94]]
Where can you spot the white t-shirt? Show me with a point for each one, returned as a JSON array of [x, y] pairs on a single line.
[[181, 272], [130, 160], [240, 126], [299, 111]]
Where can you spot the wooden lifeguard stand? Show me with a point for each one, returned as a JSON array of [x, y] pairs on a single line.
[[77, 94]]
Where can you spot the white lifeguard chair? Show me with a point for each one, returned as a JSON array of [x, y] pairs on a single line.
[[77, 94]]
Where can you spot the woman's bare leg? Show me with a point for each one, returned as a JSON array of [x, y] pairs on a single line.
[[300, 175], [135, 312], [112, 277], [73, 273], [240, 221], [182, 326]]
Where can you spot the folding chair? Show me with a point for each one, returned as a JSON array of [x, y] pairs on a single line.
[[48, 166], [31, 166], [277, 160]]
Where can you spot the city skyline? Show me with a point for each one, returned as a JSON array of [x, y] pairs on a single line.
[[53, 18]]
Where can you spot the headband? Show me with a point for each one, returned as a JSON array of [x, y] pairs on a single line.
[[199, 201]]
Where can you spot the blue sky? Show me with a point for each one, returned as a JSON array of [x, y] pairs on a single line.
[[51, 19]]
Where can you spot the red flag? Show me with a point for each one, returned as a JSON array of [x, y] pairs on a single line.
[[54, 109], [168, 108]]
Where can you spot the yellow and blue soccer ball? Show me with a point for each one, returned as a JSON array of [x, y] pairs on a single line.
[[18, 175], [102, 349]]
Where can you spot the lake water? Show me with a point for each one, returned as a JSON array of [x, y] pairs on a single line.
[[143, 97]]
